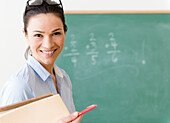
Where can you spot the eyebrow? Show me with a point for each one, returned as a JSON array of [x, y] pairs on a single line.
[[44, 32], [38, 31], [56, 29]]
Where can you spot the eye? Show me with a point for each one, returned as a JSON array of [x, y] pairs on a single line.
[[56, 33], [37, 35]]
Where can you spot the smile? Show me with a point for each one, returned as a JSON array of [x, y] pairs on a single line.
[[48, 52]]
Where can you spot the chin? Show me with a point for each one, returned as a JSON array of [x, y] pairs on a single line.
[[48, 62]]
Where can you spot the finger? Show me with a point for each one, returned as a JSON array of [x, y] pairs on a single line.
[[78, 119], [70, 117]]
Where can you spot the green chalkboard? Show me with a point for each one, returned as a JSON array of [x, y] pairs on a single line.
[[120, 62]]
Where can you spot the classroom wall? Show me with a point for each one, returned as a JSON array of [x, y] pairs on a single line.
[[13, 43]]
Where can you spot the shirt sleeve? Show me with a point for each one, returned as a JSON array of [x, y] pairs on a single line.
[[15, 90]]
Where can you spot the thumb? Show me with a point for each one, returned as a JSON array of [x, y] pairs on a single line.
[[71, 117]]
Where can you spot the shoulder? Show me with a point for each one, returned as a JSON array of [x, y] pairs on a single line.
[[62, 73], [17, 88], [21, 77]]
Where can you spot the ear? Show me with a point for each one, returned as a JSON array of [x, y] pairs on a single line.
[[25, 34]]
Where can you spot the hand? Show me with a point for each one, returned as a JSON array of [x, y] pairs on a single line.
[[72, 118]]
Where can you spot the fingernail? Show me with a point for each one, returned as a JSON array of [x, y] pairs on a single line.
[[75, 114]]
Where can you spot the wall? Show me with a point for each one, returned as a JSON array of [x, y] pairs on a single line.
[[117, 5], [13, 43]]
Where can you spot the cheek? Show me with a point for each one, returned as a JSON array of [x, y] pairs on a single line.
[[33, 44], [61, 42]]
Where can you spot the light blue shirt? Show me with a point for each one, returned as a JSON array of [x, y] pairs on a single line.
[[33, 80]]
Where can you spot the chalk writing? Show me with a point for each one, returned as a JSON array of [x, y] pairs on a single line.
[[92, 48], [71, 50], [143, 52], [112, 47]]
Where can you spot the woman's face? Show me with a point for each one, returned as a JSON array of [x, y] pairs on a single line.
[[46, 36]]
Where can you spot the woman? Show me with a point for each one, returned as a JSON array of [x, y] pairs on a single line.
[[44, 30]]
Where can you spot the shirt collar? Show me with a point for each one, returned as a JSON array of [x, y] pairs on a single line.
[[40, 70]]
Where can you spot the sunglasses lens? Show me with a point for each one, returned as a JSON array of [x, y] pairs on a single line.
[[51, 2], [35, 2]]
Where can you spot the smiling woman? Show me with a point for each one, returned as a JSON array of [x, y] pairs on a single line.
[[44, 30], [45, 38]]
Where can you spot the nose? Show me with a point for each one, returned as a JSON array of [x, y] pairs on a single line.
[[48, 42]]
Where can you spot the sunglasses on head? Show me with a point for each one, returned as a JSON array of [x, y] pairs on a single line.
[[40, 2], [36, 3]]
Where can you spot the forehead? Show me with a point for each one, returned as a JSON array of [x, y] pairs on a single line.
[[45, 21]]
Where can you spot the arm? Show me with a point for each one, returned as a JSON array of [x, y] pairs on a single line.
[[15, 90]]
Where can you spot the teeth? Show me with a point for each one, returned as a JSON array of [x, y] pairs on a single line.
[[48, 52]]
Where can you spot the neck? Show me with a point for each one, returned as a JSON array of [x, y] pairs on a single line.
[[49, 68]]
